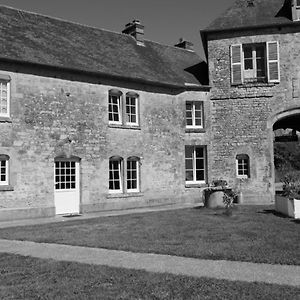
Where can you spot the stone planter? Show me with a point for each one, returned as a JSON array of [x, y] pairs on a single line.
[[214, 197], [288, 206]]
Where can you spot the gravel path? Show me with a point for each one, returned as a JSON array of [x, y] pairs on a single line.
[[229, 270]]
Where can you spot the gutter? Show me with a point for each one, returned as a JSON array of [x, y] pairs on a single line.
[[110, 76]]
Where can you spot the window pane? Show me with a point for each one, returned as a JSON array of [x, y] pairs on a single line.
[[200, 175], [188, 106], [200, 164], [189, 150], [189, 164], [189, 175], [248, 52], [199, 152], [3, 178]]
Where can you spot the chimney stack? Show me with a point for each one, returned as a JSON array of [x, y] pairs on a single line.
[[185, 45], [135, 29]]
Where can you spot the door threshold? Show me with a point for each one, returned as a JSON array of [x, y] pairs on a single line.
[[72, 215]]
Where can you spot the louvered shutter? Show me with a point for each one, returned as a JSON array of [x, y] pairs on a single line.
[[273, 61], [236, 64]]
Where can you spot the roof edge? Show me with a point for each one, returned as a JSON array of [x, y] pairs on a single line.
[[110, 76], [242, 28]]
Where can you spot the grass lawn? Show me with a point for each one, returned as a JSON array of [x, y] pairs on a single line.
[[253, 233], [31, 278]]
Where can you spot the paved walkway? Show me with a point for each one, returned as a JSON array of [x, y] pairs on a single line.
[[229, 270]]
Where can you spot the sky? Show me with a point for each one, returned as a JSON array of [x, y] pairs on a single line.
[[165, 21]]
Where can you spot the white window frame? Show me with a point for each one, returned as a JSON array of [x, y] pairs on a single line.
[[119, 105], [193, 103], [120, 170], [297, 10], [7, 114], [136, 98], [6, 181], [137, 163], [194, 159], [242, 162]]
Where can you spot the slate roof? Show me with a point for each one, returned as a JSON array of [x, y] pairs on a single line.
[[33, 38], [262, 13]]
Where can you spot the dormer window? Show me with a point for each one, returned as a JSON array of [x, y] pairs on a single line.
[[296, 10]]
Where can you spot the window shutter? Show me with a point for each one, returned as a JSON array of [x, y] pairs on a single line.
[[236, 64], [273, 61]]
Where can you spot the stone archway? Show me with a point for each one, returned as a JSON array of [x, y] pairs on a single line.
[[285, 126]]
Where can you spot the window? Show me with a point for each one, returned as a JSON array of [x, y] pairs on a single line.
[[117, 180], [123, 112], [131, 109], [132, 174], [4, 98], [255, 63], [194, 114], [65, 175], [4, 169], [115, 175], [242, 166], [295, 10], [115, 107], [195, 164]]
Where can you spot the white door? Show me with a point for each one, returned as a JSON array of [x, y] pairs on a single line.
[[66, 193]]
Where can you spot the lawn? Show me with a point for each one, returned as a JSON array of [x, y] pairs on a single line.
[[32, 278], [253, 233]]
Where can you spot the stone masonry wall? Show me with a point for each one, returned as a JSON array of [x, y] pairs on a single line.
[[47, 113], [243, 116]]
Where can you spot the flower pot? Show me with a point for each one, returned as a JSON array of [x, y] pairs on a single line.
[[288, 206], [214, 199]]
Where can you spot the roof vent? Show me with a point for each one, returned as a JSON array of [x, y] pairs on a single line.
[[185, 44], [250, 3], [135, 29]]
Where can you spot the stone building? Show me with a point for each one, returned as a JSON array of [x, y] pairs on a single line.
[[254, 63], [95, 120]]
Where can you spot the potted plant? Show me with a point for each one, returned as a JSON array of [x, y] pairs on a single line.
[[219, 194], [289, 203]]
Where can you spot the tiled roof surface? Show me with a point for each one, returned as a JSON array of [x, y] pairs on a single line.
[[38, 39], [263, 12]]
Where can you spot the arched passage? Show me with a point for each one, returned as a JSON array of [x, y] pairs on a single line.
[[286, 146]]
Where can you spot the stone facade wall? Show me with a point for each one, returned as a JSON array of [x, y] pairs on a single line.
[[243, 116], [68, 115]]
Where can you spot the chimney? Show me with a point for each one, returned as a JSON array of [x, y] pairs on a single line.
[[185, 45], [135, 29], [295, 6]]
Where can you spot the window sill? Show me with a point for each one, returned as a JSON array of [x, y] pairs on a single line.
[[6, 188], [195, 130], [254, 84], [5, 120], [120, 126], [126, 195], [195, 185]]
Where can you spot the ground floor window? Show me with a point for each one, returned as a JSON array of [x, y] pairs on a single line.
[[242, 166], [127, 180], [4, 172], [195, 164]]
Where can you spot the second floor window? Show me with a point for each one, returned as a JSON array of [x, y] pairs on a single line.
[[194, 114], [115, 107], [131, 109], [4, 98], [123, 111], [255, 63]]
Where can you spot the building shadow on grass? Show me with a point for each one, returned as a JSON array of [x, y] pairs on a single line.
[[273, 212]]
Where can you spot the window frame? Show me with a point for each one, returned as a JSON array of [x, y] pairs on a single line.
[[137, 163], [193, 103], [271, 63], [120, 172], [4, 158], [111, 95], [243, 160], [194, 162], [8, 92], [131, 95]]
